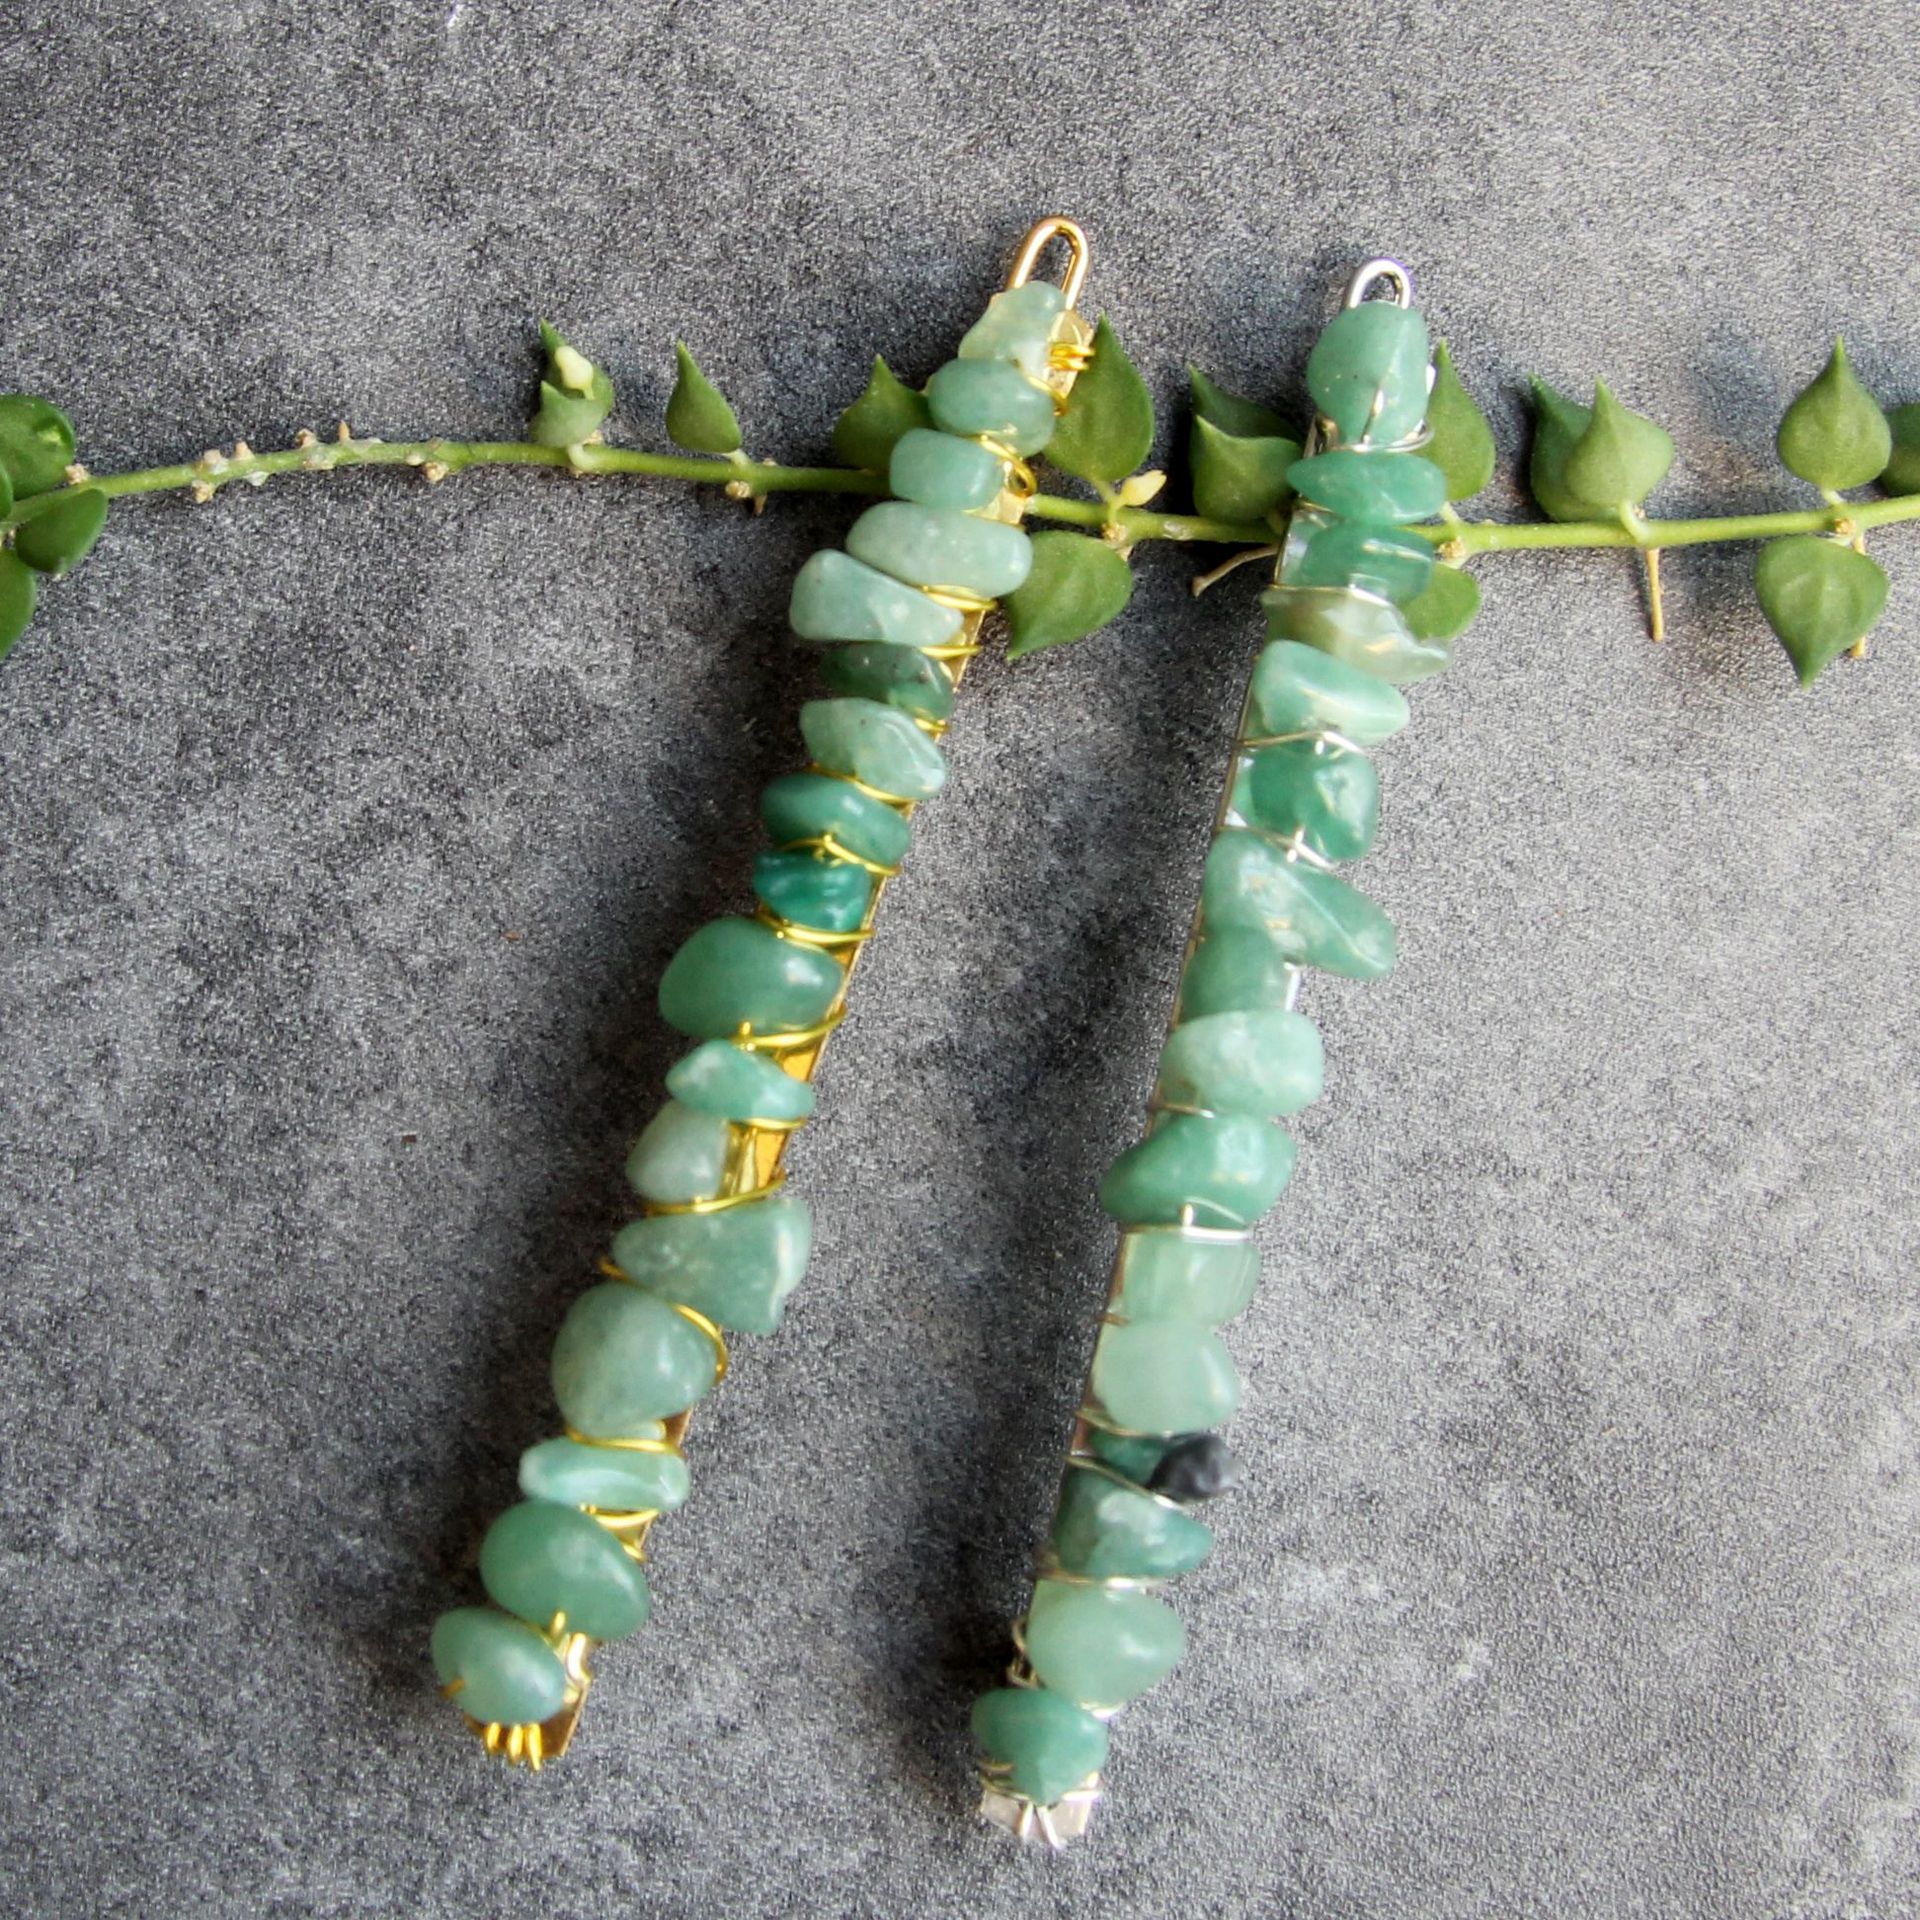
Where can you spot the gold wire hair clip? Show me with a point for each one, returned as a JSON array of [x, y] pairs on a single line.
[[718, 1246]]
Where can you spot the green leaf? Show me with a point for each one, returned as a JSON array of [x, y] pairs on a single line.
[[63, 534], [6, 493], [18, 590], [1077, 585], [1902, 471], [36, 444], [1244, 419], [1820, 597], [1620, 458], [1107, 429], [1462, 444], [1444, 609], [1834, 434], [1238, 479], [575, 396], [698, 417], [1558, 425], [864, 436]]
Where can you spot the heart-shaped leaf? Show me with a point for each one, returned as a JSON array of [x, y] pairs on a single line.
[[1820, 597], [1445, 607], [1107, 429], [1075, 587], [575, 396], [1236, 478], [865, 434], [36, 444], [1244, 419], [1557, 427], [698, 417], [1620, 458], [62, 535], [18, 591], [1902, 472], [1462, 443], [1834, 433]]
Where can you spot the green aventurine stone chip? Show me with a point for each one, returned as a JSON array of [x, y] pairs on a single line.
[[898, 676], [811, 806], [540, 1559], [1163, 1376], [928, 547], [736, 1265], [736, 973], [1328, 795], [505, 1670], [1169, 1275], [1371, 486], [970, 397], [614, 1479], [876, 744], [1135, 1455], [1264, 1064], [836, 598], [1101, 1648], [681, 1156], [941, 470], [1103, 1529], [738, 1084], [813, 890], [1016, 326], [1041, 1744], [1299, 689], [1235, 970], [1352, 553], [1368, 372], [1220, 1172], [1313, 917], [624, 1358], [1356, 629]]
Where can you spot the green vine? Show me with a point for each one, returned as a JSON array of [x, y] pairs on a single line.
[[1592, 469]]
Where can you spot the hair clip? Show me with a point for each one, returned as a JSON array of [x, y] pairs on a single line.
[[718, 1246], [1300, 800]]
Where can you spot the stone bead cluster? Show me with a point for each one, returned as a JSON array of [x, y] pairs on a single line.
[[718, 1249], [1302, 799]]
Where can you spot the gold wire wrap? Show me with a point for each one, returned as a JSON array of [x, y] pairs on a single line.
[[898, 801], [753, 1168]]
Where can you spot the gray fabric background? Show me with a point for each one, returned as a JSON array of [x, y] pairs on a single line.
[[345, 827]]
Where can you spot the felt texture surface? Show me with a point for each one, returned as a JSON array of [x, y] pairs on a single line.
[[346, 825]]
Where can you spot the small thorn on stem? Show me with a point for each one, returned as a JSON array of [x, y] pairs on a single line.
[[436, 471], [1656, 604], [1858, 651], [343, 433], [306, 437], [75, 474]]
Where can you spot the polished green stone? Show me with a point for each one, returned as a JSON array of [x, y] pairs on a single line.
[[942, 470], [682, 1155], [732, 974], [1016, 326], [1323, 552], [1103, 1529], [1163, 1376], [1135, 1455], [814, 806], [902, 677], [1313, 917], [1098, 1647], [1041, 1744], [1264, 1064], [1167, 1275], [505, 1671], [836, 598], [876, 744], [1326, 795], [1367, 372], [1223, 1172], [930, 547], [1370, 486], [738, 1084], [736, 1265], [614, 1479], [813, 890], [540, 1559], [991, 397], [1235, 970], [1356, 629], [624, 1358], [1300, 689]]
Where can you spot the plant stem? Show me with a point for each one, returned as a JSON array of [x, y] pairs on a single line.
[[756, 479]]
